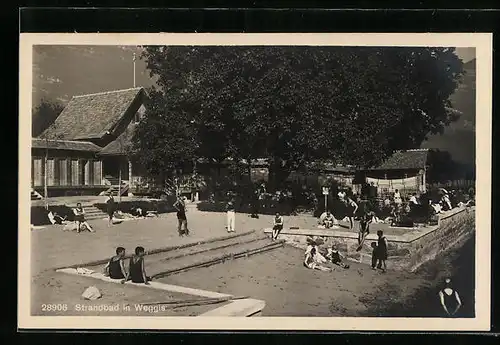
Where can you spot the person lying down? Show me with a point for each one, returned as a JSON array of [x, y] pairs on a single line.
[[312, 260]]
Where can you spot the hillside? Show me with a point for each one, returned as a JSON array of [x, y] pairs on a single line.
[[60, 72], [459, 138]]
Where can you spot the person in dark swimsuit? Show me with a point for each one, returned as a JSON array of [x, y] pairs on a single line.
[[449, 298], [335, 257], [80, 218], [110, 208], [137, 272], [115, 268], [364, 225], [180, 206], [381, 251]]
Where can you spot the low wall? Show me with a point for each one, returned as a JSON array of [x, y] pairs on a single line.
[[407, 251]]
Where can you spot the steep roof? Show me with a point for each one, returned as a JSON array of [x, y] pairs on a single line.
[[64, 145], [120, 145], [401, 160], [91, 116]]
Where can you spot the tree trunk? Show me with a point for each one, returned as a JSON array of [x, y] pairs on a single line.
[[277, 174]]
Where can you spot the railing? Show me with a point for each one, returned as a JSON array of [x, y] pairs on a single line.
[[456, 184]]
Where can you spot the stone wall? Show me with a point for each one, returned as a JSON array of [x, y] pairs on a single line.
[[452, 231], [404, 252]]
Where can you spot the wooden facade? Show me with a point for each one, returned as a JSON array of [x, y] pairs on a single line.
[[65, 171]]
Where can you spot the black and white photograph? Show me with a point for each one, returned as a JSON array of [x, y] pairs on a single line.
[[339, 186]]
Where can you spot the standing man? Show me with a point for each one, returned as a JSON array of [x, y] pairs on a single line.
[[231, 215], [255, 202], [449, 298], [351, 208], [110, 208], [180, 206]]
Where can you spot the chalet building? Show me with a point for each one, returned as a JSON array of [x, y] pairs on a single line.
[[87, 144], [404, 170]]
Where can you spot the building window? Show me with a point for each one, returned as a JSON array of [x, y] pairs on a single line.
[[137, 117]]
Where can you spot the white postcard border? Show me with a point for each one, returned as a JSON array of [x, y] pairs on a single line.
[[481, 41]]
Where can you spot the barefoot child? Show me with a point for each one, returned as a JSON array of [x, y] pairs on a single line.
[[327, 220], [310, 261], [277, 226], [115, 269], [381, 251], [335, 257]]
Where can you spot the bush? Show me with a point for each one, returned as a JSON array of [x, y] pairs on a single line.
[[265, 207], [39, 215], [160, 206]]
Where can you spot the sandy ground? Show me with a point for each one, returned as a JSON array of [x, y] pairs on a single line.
[[278, 277], [290, 289], [54, 248], [62, 291]]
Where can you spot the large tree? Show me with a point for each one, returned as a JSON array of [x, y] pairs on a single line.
[[351, 105], [44, 115]]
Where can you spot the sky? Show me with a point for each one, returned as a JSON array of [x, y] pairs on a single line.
[[466, 54], [60, 72]]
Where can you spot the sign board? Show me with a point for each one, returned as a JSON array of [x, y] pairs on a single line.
[[325, 191]]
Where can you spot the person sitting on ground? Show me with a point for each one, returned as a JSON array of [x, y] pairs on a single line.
[[137, 272], [374, 255], [312, 261], [327, 220], [277, 226], [335, 257], [115, 268], [314, 245], [137, 212], [54, 218], [80, 218]]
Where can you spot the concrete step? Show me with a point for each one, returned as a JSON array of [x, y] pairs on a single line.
[[91, 212], [164, 264]]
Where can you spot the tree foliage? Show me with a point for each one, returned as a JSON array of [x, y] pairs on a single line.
[[44, 115], [350, 105]]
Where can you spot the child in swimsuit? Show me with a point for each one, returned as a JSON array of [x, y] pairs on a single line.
[[335, 257]]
